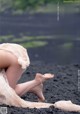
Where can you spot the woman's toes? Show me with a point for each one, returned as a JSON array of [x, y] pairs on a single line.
[[48, 75]]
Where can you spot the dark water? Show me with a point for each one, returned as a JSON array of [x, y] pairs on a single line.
[[64, 49], [58, 51]]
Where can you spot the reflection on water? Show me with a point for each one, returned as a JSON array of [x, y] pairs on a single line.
[[58, 51], [65, 51]]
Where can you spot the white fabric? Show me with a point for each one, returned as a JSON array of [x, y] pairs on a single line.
[[19, 51], [67, 106]]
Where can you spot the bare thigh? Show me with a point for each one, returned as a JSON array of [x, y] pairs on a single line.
[[5, 59], [9, 62]]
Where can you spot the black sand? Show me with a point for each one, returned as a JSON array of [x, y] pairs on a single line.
[[63, 87]]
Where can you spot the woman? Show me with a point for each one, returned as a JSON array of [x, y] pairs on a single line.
[[14, 59]]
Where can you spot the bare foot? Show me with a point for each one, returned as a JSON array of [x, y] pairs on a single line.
[[39, 92], [42, 77]]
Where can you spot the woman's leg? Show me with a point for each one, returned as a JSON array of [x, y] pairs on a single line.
[[38, 90], [9, 62], [35, 86], [14, 72], [22, 88]]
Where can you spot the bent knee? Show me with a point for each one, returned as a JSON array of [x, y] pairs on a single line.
[[16, 65], [8, 60], [14, 61]]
